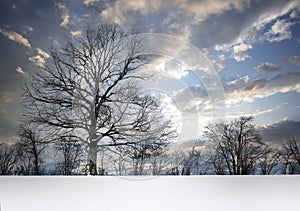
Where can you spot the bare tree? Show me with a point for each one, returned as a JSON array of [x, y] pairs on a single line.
[[159, 164], [174, 160], [217, 161], [30, 147], [236, 146], [270, 160], [24, 162], [142, 152], [117, 163], [7, 159], [154, 142], [70, 154], [89, 90], [192, 163], [291, 156]]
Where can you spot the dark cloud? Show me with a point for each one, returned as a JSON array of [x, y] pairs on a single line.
[[256, 84], [281, 131], [268, 68], [294, 60], [246, 89]]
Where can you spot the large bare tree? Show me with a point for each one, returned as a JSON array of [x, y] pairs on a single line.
[[236, 146], [89, 90]]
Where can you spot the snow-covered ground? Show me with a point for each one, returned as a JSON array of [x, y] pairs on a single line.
[[234, 193]]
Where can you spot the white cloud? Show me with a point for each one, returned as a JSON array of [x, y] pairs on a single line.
[[75, 33], [274, 14], [115, 13], [20, 70], [255, 112], [222, 57], [38, 60], [203, 9], [42, 53], [170, 111], [236, 83], [240, 52], [242, 33], [64, 14], [15, 37], [172, 69], [279, 31], [268, 68], [294, 14], [88, 2]]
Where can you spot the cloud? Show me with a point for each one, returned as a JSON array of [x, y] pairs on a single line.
[[38, 60], [9, 139], [294, 14], [280, 131], [250, 26], [222, 57], [218, 63], [236, 83], [203, 9], [254, 113], [20, 70], [249, 90], [6, 97], [171, 14], [187, 145], [42, 53], [170, 111], [172, 69], [11, 35], [240, 52], [279, 31], [64, 14], [268, 68], [88, 2], [294, 60], [75, 33]]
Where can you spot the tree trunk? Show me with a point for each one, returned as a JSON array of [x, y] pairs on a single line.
[[36, 159], [92, 158]]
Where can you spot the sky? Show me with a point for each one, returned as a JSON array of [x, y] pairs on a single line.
[[252, 49]]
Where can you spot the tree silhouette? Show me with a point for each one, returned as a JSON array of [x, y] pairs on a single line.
[[236, 146], [30, 147], [89, 90], [291, 156]]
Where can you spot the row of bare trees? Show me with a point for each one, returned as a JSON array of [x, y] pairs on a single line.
[[233, 148], [31, 155], [238, 149]]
